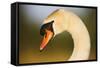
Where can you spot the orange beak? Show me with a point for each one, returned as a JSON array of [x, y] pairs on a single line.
[[46, 39]]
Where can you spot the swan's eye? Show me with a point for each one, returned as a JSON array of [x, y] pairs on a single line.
[[47, 26]]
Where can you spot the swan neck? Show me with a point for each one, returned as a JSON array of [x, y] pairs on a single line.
[[81, 40]]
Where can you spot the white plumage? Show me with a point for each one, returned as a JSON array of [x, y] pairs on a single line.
[[68, 21]]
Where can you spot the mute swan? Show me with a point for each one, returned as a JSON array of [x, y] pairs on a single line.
[[61, 20]]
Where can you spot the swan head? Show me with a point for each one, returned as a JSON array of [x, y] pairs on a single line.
[[52, 26]]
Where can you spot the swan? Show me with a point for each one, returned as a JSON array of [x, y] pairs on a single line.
[[63, 20]]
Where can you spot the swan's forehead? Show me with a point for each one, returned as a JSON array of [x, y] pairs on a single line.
[[54, 15]]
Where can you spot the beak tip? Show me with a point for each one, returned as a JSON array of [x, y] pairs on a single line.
[[41, 49]]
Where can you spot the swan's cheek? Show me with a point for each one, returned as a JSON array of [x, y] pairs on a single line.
[[57, 28]]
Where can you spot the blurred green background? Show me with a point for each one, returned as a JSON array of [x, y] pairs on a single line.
[[61, 47]]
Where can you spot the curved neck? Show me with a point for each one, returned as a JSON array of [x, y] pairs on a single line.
[[81, 39], [70, 22]]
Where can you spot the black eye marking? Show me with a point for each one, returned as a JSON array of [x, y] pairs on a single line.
[[47, 26]]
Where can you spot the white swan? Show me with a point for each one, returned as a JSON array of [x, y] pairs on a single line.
[[61, 20]]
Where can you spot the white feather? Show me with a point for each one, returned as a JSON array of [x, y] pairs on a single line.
[[68, 21]]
